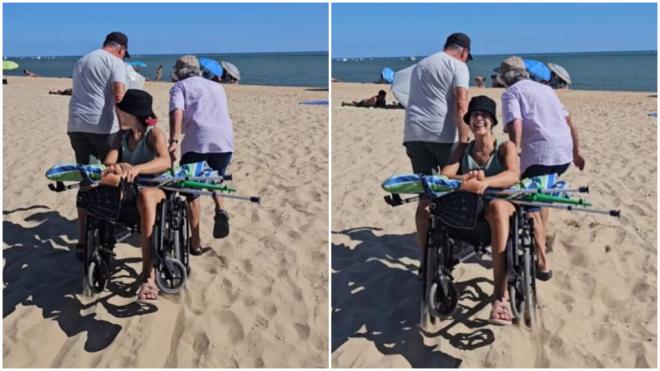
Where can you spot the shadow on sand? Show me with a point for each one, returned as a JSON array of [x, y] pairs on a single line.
[[36, 273], [376, 295]]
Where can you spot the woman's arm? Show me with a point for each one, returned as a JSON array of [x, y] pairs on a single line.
[[162, 162], [113, 156], [509, 154], [451, 169]]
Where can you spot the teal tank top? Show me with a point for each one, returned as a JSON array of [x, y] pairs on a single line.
[[493, 165], [140, 154]]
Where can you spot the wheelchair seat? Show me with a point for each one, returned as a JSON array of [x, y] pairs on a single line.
[[479, 236]]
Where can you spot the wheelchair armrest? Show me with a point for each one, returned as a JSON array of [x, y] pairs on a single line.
[[393, 200], [60, 187]]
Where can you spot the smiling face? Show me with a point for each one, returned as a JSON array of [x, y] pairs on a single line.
[[481, 122], [126, 120]]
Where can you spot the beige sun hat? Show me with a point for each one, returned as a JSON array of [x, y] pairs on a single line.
[[512, 63], [186, 66]]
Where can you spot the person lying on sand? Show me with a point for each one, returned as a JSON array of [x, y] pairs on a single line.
[[141, 150], [29, 73], [375, 101], [482, 163], [61, 92]]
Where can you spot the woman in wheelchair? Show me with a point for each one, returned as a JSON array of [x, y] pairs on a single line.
[[142, 149], [486, 162]]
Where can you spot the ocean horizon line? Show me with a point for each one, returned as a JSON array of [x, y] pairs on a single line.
[[133, 56], [606, 52]]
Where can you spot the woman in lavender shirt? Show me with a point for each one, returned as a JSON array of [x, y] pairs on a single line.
[[198, 111], [546, 138]]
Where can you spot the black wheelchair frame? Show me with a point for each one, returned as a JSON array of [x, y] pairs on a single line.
[[447, 246], [170, 242]]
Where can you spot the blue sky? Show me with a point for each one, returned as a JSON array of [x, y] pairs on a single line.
[[75, 29], [384, 30]]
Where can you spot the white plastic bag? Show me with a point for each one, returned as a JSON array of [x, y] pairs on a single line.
[[133, 79]]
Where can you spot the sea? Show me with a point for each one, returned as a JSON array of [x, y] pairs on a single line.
[[614, 71], [307, 69]]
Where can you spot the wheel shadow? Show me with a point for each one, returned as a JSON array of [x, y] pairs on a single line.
[[376, 296], [39, 272]]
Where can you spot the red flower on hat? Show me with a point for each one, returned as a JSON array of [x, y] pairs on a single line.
[[151, 121]]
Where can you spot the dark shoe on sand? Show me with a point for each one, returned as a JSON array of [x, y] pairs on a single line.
[[221, 226], [199, 250], [543, 276]]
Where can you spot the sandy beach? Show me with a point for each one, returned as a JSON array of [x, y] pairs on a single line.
[[258, 299], [599, 310]]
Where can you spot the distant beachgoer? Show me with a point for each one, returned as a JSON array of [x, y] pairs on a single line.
[[99, 83], [228, 79], [546, 138], [29, 73], [159, 72], [375, 101], [434, 114], [61, 92], [495, 83], [480, 81], [198, 110], [557, 82]]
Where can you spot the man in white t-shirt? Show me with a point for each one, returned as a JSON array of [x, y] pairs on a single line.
[[99, 83], [434, 115]]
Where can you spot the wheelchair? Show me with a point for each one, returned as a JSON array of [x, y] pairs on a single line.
[[170, 242], [457, 231]]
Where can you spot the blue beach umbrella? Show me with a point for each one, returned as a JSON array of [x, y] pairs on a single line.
[[138, 64], [387, 75], [211, 66], [538, 70]]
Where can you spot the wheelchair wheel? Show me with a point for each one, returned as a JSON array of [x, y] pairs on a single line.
[[443, 298], [428, 268], [97, 275], [95, 270], [171, 276], [528, 289]]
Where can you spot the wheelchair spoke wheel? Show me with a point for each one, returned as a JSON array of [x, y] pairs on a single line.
[[97, 275], [171, 276], [443, 301], [528, 289], [516, 301]]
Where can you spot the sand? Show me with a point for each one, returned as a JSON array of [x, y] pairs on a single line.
[[258, 299], [599, 310]]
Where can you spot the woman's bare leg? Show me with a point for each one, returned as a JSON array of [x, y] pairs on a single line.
[[147, 201], [194, 211], [498, 214]]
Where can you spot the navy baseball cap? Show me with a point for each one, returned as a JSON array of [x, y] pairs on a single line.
[[120, 38], [461, 40]]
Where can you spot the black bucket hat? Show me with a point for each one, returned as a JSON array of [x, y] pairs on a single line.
[[481, 103], [137, 103]]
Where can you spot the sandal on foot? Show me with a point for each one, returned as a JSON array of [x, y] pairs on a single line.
[[199, 250], [543, 276], [221, 226], [148, 293], [501, 313]]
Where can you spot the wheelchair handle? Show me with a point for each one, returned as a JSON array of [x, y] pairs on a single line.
[[395, 199], [60, 187]]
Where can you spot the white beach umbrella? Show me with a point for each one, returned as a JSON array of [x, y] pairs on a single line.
[[231, 69], [560, 71], [401, 85]]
